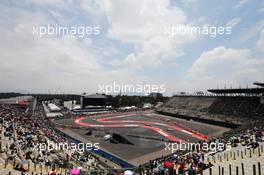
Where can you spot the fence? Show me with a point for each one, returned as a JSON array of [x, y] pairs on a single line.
[[239, 170], [240, 155], [236, 154]]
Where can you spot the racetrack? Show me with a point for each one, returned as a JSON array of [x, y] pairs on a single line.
[[140, 128], [115, 122]]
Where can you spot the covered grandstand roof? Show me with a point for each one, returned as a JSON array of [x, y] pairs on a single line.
[[20, 100], [53, 107], [94, 96], [259, 84], [238, 91]]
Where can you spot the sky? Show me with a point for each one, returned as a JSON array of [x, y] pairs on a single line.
[[132, 44]]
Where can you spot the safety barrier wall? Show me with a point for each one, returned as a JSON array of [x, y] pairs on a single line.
[[212, 122], [102, 153]]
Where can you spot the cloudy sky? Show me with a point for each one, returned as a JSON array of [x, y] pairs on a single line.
[[132, 46]]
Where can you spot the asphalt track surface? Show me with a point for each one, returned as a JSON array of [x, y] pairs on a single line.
[[109, 121]]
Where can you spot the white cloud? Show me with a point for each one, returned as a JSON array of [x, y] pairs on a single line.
[[233, 22], [92, 6], [261, 8], [133, 39], [241, 3], [225, 66], [46, 2], [251, 32], [260, 42], [34, 64], [189, 2], [217, 58], [143, 23]]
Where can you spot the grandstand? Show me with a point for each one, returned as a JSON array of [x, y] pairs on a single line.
[[244, 110], [136, 142], [91, 103], [53, 108], [234, 106], [22, 130], [21, 101]]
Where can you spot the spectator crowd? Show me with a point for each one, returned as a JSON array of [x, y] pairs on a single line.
[[22, 131], [194, 162]]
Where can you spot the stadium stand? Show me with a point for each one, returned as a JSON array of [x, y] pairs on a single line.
[[189, 103], [234, 109], [23, 131], [247, 107], [245, 157]]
